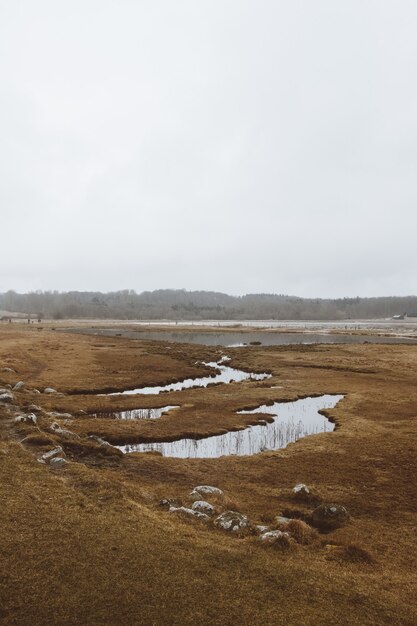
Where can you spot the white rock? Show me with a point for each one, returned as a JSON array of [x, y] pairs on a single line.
[[282, 521], [232, 521], [203, 507], [29, 417], [35, 408], [205, 490], [49, 390], [261, 529], [182, 510], [47, 456], [19, 385], [272, 536], [6, 396], [62, 431], [301, 489], [58, 461]]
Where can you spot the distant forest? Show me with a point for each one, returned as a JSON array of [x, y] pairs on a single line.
[[198, 305]]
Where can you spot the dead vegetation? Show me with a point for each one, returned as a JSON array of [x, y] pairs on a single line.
[[88, 543]]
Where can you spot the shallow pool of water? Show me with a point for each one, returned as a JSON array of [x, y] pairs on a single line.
[[225, 374], [291, 421], [136, 414], [236, 338]]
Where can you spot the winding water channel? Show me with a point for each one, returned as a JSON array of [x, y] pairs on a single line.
[[225, 374], [291, 421]]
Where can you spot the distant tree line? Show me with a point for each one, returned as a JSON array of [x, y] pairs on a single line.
[[198, 305]]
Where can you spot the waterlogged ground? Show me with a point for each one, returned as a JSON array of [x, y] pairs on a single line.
[[305, 335], [88, 543], [291, 421], [224, 375]]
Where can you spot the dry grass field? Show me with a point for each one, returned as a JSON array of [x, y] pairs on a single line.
[[88, 543]]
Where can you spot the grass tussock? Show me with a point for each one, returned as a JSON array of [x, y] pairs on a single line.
[[353, 553], [301, 532], [38, 439]]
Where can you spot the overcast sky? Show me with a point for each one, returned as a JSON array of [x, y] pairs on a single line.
[[229, 145]]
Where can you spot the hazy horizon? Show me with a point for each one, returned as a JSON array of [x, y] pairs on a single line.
[[215, 291], [239, 147]]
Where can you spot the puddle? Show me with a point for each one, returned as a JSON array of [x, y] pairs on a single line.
[[292, 421], [225, 374], [136, 414]]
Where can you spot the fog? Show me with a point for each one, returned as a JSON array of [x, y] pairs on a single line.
[[233, 146]]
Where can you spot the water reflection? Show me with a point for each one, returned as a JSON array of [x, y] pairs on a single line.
[[225, 374], [136, 414], [236, 338], [292, 421]]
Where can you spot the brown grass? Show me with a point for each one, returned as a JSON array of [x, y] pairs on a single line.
[[301, 532], [89, 545]]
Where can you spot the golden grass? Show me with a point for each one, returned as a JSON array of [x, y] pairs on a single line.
[[88, 543]]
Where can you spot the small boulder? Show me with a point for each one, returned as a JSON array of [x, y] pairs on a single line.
[[166, 503], [18, 386], [232, 521], [205, 490], [47, 456], [182, 510], [29, 418], [261, 529], [281, 520], [329, 516], [56, 428], [6, 396], [49, 390], [58, 415], [203, 507], [34, 408], [100, 441], [273, 536], [58, 461], [301, 492], [8, 369]]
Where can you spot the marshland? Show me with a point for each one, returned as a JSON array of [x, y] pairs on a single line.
[[113, 524]]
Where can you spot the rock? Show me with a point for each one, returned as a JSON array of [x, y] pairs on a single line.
[[205, 490], [29, 417], [273, 536], [56, 428], [232, 521], [35, 391], [182, 510], [166, 503], [49, 390], [301, 489], [47, 456], [58, 461], [8, 369], [100, 441], [282, 521], [203, 507], [6, 396], [329, 516], [19, 385], [34, 408], [261, 529]]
